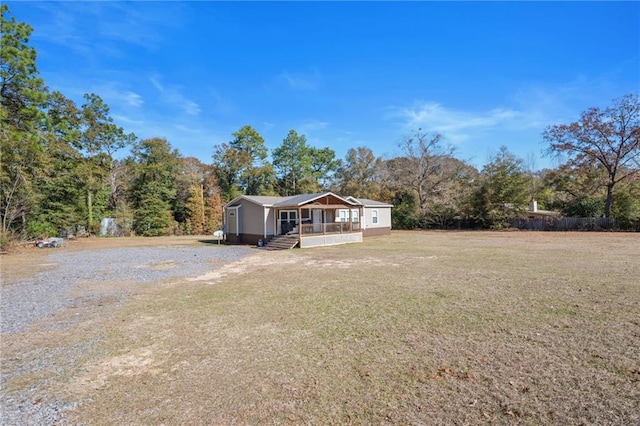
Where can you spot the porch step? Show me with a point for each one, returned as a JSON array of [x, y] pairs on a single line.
[[282, 242]]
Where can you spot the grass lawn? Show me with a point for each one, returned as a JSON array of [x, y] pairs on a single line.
[[413, 328]]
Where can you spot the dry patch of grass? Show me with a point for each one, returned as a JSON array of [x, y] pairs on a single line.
[[414, 328]]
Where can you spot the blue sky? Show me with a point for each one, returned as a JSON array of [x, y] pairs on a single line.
[[345, 74]]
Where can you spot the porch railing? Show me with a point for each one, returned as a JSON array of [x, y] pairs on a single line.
[[330, 228]]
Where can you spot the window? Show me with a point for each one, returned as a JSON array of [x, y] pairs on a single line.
[[374, 216], [343, 215], [288, 215]]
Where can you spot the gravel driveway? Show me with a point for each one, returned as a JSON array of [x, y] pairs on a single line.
[[78, 279]]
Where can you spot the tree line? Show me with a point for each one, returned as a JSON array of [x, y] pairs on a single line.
[[65, 167]]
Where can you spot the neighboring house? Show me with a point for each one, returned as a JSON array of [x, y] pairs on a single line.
[[316, 219], [534, 213]]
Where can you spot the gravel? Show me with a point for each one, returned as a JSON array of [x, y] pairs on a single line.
[[75, 282]]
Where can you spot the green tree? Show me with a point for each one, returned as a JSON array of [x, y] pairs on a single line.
[[449, 200], [292, 162], [324, 164], [200, 198], [576, 191], [301, 168], [404, 214], [59, 186], [502, 190], [241, 165], [627, 207], [212, 201], [22, 90], [358, 175], [194, 208], [607, 137], [158, 170], [100, 139], [22, 97]]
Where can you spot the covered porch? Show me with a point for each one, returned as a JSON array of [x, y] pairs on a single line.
[[319, 219]]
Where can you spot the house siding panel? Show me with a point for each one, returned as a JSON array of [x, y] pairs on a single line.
[[271, 222], [252, 219], [384, 217]]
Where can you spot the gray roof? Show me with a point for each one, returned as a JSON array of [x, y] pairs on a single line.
[[298, 200], [370, 203], [261, 200]]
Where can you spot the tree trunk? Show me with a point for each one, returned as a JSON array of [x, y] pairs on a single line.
[[608, 205], [204, 220], [90, 209]]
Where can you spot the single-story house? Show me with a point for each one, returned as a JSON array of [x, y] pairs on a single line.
[[316, 219]]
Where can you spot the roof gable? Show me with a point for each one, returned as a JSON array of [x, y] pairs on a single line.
[[328, 198]]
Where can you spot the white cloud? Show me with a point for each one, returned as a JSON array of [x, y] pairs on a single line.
[[312, 125], [117, 97], [99, 27], [300, 81], [188, 129], [455, 125], [530, 108], [157, 84], [129, 121], [171, 95], [133, 99]]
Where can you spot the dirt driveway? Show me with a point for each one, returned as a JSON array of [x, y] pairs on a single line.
[[48, 292]]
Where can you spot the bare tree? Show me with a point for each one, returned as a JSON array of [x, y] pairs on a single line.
[[608, 138], [424, 166]]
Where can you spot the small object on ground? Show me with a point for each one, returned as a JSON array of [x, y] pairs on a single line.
[[52, 242]]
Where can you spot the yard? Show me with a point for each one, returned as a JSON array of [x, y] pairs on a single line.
[[413, 328]]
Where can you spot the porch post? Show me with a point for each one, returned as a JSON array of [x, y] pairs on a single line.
[[276, 220], [324, 222], [300, 226], [264, 223]]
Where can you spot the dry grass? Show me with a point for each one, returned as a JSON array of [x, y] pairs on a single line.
[[414, 328]]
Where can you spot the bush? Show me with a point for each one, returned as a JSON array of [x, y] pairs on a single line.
[[40, 228], [5, 242]]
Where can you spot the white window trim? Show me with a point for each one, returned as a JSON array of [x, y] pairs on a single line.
[[355, 216]]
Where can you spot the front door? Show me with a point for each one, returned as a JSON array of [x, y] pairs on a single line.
[[317, 220], [288, 220]]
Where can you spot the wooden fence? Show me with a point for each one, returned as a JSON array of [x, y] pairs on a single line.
[[566, 224]]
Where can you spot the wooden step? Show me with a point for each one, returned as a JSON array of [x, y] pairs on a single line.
[[282, 242]]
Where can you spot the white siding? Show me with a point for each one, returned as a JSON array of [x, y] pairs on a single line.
[[384, 217]]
